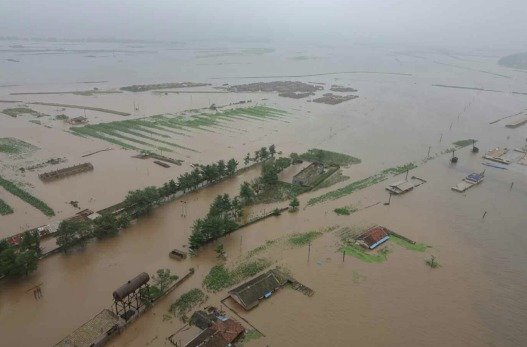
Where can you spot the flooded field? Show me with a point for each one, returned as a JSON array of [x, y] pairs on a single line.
[[476, 297]]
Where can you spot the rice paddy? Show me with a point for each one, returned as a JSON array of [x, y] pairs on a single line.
[[25, 196], [157, 132], [11, 145]]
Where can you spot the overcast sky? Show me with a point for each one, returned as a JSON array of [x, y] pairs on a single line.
[[442, 23]]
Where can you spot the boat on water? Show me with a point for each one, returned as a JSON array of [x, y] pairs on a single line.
[[177, 254]]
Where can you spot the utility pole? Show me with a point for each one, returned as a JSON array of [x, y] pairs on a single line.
[[428, 154]]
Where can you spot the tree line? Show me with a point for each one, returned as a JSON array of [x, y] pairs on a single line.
[[22, 259], [224, 212]]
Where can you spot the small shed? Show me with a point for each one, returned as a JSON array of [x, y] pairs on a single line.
[[249, 293], [373, 237], [230, 330], [78, 120], [400, 187]]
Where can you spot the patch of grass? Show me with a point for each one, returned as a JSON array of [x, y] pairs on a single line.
[[30, 199], [366, 256], [12, 145], [361, 184], [17, 111], [248, 337], [186, 302], [5, 209], [333, 179], [329, 158], [304, 238], [220, 277], [419, 247], [345, 211], [279, 191], [463, 143]]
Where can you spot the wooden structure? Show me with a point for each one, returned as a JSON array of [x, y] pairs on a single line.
[[177, 254], [468, 182], [69, 171], [373, 237], [497, 155], [402, 187], [517, 123], [160, 163]]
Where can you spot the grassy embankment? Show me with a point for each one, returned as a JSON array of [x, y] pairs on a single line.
[[98, 109], [361, 184], [134, 133], [329, 158], [418, 247], [5, 209], [25, 196]]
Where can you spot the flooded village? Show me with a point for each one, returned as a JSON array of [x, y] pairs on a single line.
[[261, 195]]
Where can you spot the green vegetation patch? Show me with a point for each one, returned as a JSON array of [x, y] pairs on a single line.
[[419, 247], [464, 143], [361, 184], [220, 277], [364, 255], [304, 239], [18, 111], [345, 211], [248, 337], [155, 132], [5, 209], [279, 191], [329, 158], [30, 199], [186, 302], [12, 145]]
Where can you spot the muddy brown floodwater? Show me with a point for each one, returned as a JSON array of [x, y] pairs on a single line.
[[477, 296]]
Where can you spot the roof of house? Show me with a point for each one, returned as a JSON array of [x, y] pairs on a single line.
[[201, 319], [229, 330], [374, 236], [250, 292]]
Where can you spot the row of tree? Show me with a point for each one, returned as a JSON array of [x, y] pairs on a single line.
[[76, 232], [262, 154]]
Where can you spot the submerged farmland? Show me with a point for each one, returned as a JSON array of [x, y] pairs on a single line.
[[157, 132]]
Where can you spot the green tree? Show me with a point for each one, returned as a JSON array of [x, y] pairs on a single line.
[[141, 201], [294, 204], [232, 165], [256, 156], [220, 252], [282, 163], [222, 168], [163, 279], [31, 242], [247, 159], [272, 150], [264, 154], [124, 221], [105, 225], [71, 233], [246, 193], [295, 158], [269, 174], [15, 264]]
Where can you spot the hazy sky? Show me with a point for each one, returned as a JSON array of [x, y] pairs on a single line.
[[447, 23]]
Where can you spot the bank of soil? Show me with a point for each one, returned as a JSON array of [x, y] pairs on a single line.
[[333, 99]]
